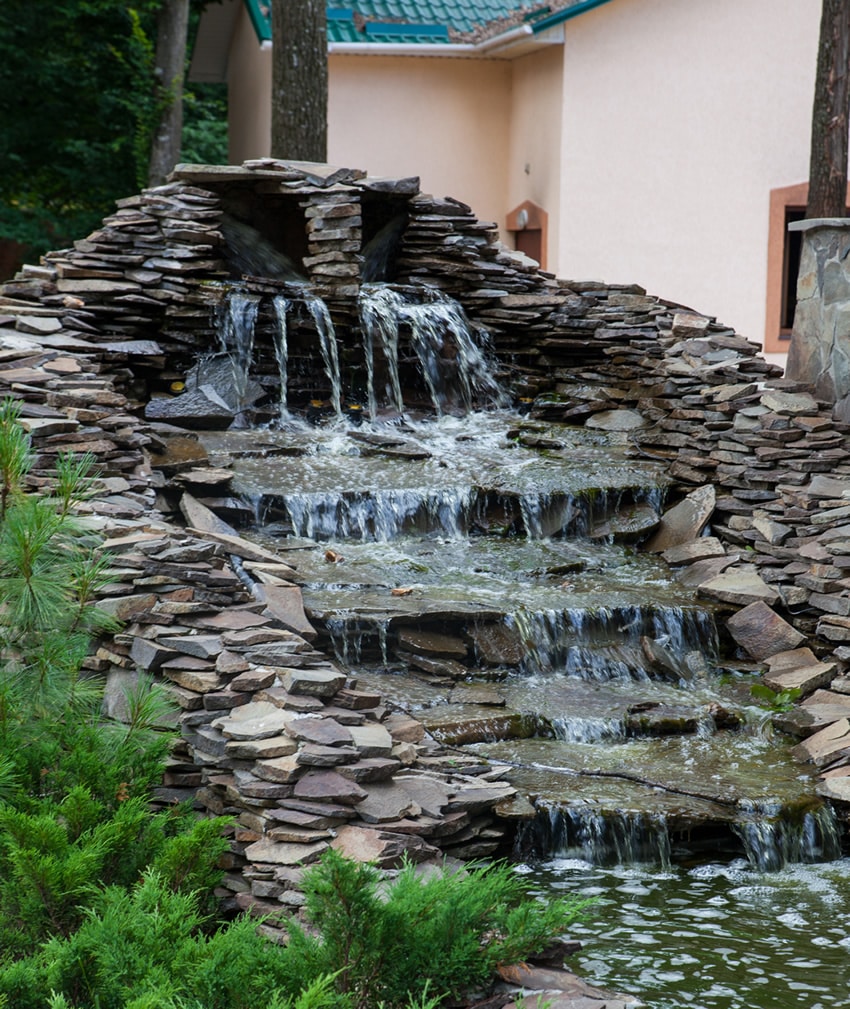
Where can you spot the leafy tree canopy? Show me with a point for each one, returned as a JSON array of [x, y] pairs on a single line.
[[77, 105]]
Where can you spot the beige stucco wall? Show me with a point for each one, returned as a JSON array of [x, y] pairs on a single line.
[[679, 119], [443, 119], [533, 151]]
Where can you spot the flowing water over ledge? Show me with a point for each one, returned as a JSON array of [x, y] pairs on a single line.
[[654, 779]]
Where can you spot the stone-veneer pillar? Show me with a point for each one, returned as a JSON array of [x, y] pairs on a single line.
[[820, 344]]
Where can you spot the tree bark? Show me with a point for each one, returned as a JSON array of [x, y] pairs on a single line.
[[299, 80], [828, 162], [172, 25]]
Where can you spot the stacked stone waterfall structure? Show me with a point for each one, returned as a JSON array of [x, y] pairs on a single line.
[[94, 342]]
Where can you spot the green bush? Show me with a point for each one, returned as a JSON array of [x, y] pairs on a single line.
[[439, 935]]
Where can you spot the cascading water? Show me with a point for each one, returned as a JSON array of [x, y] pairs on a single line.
[[380, 308], [460, 562], [281, 350], [237, 336], [772, 839], [327, 345], [452, 362]]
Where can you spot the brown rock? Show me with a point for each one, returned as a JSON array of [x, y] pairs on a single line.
[[685, 521], [285, 604], [330, 786], [432, 643], [740, 588], [323, 731], [385, 849], [761, 632]]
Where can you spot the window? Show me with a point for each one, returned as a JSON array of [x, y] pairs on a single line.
[[783, 263]]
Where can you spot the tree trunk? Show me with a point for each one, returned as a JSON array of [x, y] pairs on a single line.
[[828, 163], [172, 26], [299, 80]]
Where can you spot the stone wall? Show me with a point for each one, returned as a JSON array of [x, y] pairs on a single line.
[[87, 336]]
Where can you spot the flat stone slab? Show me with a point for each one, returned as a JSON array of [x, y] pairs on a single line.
[[432, 643], [703, 571], [430, 794], [798, 669], [685, 521], [280, 770], [286, 605], [261, 749], [386, 801], [330, 786], [315, 683], [282, 853], [827, 487], [790, 404], [383, 848], [256, 720], [697, 550], [561, 989], [371, 740], [616, 420], [740, 588], [323, 731], [835, 789], [202, 646], [760, 631], [317, 755], [826, 745]]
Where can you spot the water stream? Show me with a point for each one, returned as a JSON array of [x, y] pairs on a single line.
[[482, 572]]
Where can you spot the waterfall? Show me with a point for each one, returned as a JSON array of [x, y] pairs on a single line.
[[237, 336], [444, 344], [349, 633], [380, 308], [281, 307], [594, 836], [327, 346], [377, 515], [575, 729], [773, 837], [454, 367], [605, 643]]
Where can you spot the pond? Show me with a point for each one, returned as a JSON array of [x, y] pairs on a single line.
[[712, 935]]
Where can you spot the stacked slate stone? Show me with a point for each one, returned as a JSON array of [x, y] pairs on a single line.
[[536, 323], [271, 732], [69, 403]]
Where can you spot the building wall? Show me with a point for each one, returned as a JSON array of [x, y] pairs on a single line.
[[443, 119], [534, 146], [679, 120]]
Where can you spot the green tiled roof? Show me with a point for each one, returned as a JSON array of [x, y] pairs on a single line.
[[422, 21], [461, 15]]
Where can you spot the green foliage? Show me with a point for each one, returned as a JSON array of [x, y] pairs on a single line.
[[78, 102], [775, 700], [447, 932]]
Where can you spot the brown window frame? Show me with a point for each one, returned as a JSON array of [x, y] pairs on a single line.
[[785, 200]]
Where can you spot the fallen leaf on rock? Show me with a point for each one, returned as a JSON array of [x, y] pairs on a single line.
[[401, 592]]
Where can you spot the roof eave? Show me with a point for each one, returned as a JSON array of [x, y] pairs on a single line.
[[559, 17], [514, 42]]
